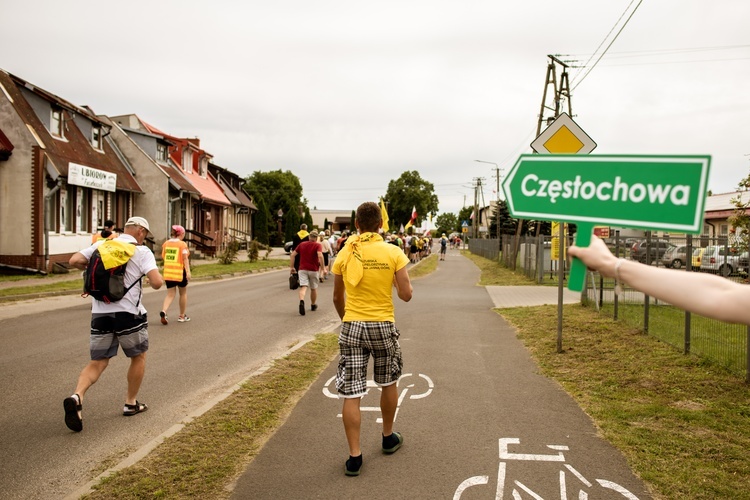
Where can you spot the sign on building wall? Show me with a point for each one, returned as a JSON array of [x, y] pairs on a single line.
[[81, 175]]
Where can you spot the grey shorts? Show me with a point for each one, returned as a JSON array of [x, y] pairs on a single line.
[[108, 331], [357, 341], [308, 278]]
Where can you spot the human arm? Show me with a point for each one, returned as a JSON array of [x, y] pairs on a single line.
[[186, 263], [322, 263], [79, 261], [155, 279], [704, 294], [291, 261], [403, 284], [339, 295]]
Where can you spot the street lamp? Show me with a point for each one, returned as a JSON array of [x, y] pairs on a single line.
[[497, 194], [279, 216]]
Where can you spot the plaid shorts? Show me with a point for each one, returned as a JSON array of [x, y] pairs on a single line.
[[359, 339], [112, 330]]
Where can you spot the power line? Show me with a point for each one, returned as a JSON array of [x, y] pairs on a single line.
[[610, 43]]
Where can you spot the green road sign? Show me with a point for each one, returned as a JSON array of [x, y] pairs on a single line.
[[648, 192]]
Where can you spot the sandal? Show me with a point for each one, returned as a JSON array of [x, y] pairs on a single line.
[[73, 406], [131, 410]]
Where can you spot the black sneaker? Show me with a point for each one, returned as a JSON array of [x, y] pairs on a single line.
[[353, 465], [392, 442], [314, 307], [302, 307]]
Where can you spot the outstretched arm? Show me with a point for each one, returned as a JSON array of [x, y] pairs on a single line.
[[705, 294]]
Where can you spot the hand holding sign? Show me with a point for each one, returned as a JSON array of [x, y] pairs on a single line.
[[646, 192]]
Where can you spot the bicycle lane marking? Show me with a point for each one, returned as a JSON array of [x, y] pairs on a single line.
[[402, 395], [516, 485]]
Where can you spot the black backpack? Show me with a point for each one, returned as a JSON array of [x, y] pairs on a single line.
[[105, 285]]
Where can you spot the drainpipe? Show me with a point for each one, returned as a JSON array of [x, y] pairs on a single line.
[[47, 198]]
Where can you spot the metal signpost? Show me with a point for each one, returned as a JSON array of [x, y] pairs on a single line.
[[640, 191]]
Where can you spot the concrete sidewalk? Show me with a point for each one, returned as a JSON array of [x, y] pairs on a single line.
[[477, 418]]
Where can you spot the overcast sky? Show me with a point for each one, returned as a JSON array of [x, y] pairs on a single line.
[[350, 94]]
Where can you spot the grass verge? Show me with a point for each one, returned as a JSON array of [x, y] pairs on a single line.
[[424, 267], [210, 452], [48, 286]]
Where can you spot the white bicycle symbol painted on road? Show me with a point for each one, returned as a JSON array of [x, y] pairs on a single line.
[[518, 488], [404, 387]]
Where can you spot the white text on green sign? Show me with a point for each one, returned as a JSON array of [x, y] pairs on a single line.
[[650, 192]]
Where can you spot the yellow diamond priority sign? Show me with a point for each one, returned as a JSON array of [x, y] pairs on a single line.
[[563, 136]]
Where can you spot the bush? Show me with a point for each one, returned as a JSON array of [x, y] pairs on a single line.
[[229, 254], [252, 250]]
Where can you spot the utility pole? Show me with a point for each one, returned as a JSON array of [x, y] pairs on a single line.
[[497, 193], [560, 93], [475, 221]]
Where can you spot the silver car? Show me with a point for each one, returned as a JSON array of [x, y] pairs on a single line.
[[675, 257], [720, 260]]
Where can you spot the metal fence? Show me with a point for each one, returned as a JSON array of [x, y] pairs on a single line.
[[722, 343]]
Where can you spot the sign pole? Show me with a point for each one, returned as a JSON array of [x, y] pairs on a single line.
[[578, 268]]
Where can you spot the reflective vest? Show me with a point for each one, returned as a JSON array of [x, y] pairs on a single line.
[[171, 252]]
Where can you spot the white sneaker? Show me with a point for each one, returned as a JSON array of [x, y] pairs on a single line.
[[183, 319]]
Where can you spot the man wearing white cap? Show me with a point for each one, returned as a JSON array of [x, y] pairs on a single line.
[[118, 324]]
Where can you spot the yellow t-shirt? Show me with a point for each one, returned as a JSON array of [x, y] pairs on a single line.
[[371, 299]]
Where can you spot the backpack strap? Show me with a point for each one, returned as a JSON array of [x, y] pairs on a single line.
[[139, 280]]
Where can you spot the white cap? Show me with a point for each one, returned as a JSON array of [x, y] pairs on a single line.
[[138, 221]]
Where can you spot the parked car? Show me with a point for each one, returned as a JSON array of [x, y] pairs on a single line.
[[743, 266], [675, 257], [656, 250], [720, 260], [697, 257]]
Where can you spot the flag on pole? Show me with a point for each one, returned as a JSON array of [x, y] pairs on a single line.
[[384, 215], [413, 218]]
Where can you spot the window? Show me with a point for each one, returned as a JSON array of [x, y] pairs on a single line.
[[161, 153], [187, 161], [724, 229], [202, 167], [96, 137], [56, 122]]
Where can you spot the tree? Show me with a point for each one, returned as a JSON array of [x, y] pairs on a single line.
[[407, 192], [447, 223], [280, 190], [308, 218], [352, 227], [291, 226], [740, 220], [260, 221]]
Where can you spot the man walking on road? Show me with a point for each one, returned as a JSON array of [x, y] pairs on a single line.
[[311, 264], [364, 272], [122, 323]]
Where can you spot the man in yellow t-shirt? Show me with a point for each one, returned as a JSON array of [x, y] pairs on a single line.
[[175, 254], [364, 272]]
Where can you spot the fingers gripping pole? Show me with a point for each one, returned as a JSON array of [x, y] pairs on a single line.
[[578, 268]]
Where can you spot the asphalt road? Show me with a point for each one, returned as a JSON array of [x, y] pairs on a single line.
[[478, 420], [238, 326]]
